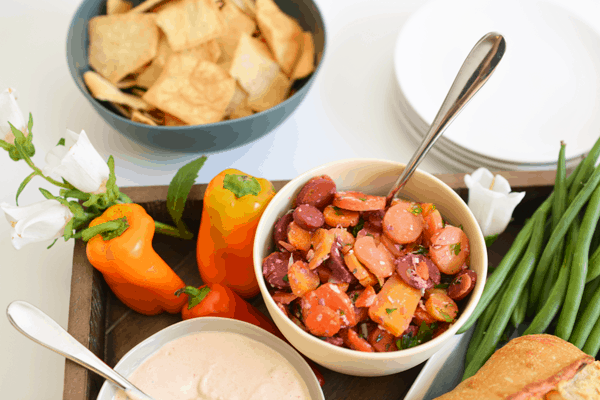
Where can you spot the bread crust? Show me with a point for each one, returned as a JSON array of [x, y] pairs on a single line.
[[526, 368]]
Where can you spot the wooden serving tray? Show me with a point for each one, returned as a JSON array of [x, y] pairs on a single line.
[[109, 329]]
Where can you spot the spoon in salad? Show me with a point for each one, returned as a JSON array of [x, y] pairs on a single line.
[[42, 329], [474, 73]]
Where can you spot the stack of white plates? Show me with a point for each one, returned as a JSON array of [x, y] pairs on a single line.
[[545, 90]]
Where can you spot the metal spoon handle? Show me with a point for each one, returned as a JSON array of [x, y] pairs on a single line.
[[475, 71], [40, 328]]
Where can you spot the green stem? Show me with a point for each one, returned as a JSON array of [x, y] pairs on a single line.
[[105, 227], [124, 198], [171, 231], [39, 172], [196, 295]]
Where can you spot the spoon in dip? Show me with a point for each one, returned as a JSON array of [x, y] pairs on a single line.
[[42, 329], [474, 73]]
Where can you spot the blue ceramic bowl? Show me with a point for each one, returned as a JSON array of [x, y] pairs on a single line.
[[214, 137]]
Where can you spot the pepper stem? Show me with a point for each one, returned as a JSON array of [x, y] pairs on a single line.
[[108, 230], [171, 231], [196, 295]]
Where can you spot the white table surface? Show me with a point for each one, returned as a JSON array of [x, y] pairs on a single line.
[[347, 113]]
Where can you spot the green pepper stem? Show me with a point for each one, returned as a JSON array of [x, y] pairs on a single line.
[[196, 295], [171, 231], [104, 227]]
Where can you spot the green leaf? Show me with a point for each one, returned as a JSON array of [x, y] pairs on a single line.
[[5, 145], [285, 278], [61, 142], [357, 228], [47, 194], [112, 190], [52, 244], [421, 250], [489, 240], [241, 185], [390, 310], [455, 248], [23, 184], [68, 232], [416, 209], [19, 136], [442, 286], [30, 124], [178, 192]]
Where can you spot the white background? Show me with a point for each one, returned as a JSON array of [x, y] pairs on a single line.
[[347, 113]]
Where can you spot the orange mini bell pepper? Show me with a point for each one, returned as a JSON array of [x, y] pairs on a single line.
[[136, 274], [215, 300], [233, 205]]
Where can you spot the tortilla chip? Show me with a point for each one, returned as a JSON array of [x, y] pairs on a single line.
[[137, 92], [248, 7], [103, 90], [171, 120], [239, 97], [306, 63], [243, 110], [209, 51], [150, 74], [275, 93], [137, 116], [121, 44], [282, 33], [189, 23], [117, 6], [253, 66], [123, 110], [236, 23], [197, 92], [145, 6]]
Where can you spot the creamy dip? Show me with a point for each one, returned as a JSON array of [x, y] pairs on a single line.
[[217, 366]]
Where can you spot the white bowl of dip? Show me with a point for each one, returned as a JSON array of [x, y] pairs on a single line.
[[217, 351]]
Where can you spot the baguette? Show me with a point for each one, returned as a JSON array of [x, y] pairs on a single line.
[[533, 367]]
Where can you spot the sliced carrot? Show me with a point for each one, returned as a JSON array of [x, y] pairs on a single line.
[[355, 342], [284, 297], [345, 238], [323, 321], [357, 201], [283, 308], [429, 292], [322, 240], [402, 223], [382, 340], [395, 305], [362, 314], [441, 307], [335, 216], [394, 248], [330, 295], [298, 237], [432, 224], [302, 279], [374, 258], [366, 298], [449, 249], [364, 276], [343, 286]]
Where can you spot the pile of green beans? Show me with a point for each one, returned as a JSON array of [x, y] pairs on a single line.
[[553, 276]]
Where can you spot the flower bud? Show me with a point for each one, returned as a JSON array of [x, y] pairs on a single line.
[[10, 112]]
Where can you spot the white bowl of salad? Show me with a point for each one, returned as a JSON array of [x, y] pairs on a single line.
[[360, 287]]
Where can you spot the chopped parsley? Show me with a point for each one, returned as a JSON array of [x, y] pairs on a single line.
[[461, 227], [424, 334], [379, 337], [285, 278], [443, 223], [358, 227], [447, 317], [455, 248], [416, 209], [354, 297], [342, 312], [442, 286], [421, 250], [390, 310], [362, 198], [387, 346], [337, 210]]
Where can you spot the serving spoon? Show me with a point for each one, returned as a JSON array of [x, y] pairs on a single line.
[[42, 329], [473, 74]]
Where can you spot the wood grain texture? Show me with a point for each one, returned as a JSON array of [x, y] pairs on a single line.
[[102, 323]]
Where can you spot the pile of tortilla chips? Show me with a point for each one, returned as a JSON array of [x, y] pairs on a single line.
[[193, 62]]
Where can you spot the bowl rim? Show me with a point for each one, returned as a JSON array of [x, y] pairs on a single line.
[[79, 79], [375, 356], [212, 320]]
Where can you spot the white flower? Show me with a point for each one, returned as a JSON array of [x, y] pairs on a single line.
[[491, 201], [79, 163], [10, 112], [45, 220]]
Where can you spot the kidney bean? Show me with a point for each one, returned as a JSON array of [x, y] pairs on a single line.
[[339, 270], [280, 230], [417, 271], [462, 284], [374, 217], [275, 268], [318, 192], [308, 217], [335, 340]]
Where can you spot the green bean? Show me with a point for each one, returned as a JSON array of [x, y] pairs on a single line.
[[511, 296], [552, 306], [518, 314], [594, 267], [567, 317], [558, 208], [561, 229], [481, 327], [584, 170], [592, 345], [495, 280], [589, 291], [585, 323]]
